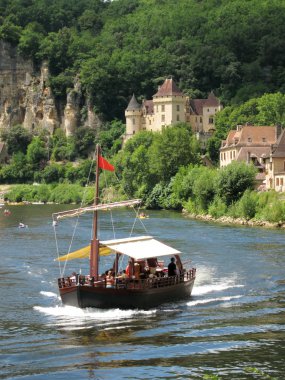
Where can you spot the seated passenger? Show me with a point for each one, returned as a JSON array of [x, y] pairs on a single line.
[[110, 280]]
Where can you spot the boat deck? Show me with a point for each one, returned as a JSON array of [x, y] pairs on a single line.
[[128, 283]]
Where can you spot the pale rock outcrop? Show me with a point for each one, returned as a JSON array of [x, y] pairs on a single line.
[[26, 98]]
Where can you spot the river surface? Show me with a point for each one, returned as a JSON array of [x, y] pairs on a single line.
[[232, 327]]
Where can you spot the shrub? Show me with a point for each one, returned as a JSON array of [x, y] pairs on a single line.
[[217, 208], [64, 193], [233, 180], [247, 205]]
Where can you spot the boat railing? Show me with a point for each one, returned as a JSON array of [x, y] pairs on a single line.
[[154, 282]]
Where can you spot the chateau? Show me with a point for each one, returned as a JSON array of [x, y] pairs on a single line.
[[170, 106]]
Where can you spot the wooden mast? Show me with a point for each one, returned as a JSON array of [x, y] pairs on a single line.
[[94, 253]]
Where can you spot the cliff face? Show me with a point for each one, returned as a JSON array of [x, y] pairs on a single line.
[[26, 99]]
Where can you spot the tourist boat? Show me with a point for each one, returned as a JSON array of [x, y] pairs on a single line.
[[145, 284]]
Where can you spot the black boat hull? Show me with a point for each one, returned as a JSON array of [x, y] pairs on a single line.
[[108, 298]]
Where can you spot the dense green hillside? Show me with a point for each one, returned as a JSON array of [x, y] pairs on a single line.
[[234, 47]]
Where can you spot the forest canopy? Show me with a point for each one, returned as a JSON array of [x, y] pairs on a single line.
[[233, 47]]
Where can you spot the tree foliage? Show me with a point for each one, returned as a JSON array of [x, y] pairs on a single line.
[[234, 179], [119, 47]]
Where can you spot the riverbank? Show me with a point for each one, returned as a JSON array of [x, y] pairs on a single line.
[[235, 221]]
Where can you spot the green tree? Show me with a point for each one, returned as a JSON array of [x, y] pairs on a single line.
[[234, 179], [133, 165], [37, 152], [17, 138], [53, 173], [18, 171], [10, 32], [30, 40], [110, 136], [204, 187], [271, 109], [170, 150], [85, 141]]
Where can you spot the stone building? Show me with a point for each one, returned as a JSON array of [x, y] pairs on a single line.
[[170, 106], [248, 143], [275, 165]]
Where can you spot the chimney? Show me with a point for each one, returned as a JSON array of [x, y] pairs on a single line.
[[278, 130], [248, 158]]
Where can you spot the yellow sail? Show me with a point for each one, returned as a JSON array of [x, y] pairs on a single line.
[[83, 253]]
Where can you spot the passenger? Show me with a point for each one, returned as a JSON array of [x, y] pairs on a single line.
[[172, 268], [73, 278], [124, 275], [110, 280], [137, 270], [128, 269]]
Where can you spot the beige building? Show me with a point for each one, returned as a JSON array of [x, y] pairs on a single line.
[[248, 143], [275, 165], [170, 106]]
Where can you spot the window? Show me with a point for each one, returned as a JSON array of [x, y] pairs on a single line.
[[162, 108], [178, 107], [281, 181], [249, 139], [211, 120], [163, 118], [201, 120], [277, 181], [177, 118], [134, 132], [263, 139]]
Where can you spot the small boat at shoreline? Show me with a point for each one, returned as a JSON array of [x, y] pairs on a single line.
[[145, 283]]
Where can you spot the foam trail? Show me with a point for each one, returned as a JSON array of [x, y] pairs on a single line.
[[49, 294], [204, 289], [211, 300], [73, 316]]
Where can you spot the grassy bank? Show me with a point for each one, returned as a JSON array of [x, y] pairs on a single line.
[[62, 193], [253, 208]]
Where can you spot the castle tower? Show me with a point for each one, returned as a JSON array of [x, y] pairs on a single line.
[[133, 115], [169, 105]]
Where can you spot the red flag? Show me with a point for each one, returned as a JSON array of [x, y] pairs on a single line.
[[105, 165]]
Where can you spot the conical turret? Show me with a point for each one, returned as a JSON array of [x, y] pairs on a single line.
[[133, 114]]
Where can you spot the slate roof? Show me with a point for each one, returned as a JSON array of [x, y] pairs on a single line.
[[133, 104], [253, 151], [251, 135], [168, 88], [198, 104], [279, 149], [148, 104]]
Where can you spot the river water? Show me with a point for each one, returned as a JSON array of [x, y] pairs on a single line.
[[232, 327]]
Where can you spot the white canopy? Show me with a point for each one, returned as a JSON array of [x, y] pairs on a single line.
[[141, 247]]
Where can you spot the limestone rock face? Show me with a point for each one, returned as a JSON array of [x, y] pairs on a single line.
[[14, 73], [26, 99]]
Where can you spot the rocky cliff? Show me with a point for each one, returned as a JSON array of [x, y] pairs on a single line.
[[26, 98]]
